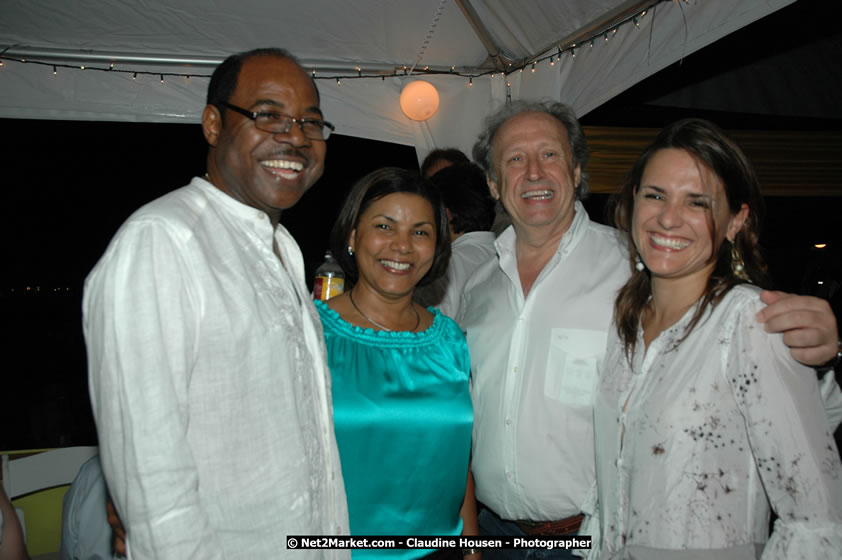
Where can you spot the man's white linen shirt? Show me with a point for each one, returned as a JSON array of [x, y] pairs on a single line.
[[469, 251], [695, 433], [209, 383], [534, 367]]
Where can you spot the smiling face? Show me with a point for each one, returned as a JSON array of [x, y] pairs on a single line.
[[263, 170], [536, 179], [681, 217], [394, 243]]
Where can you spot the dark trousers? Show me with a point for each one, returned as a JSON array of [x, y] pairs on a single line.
[[491, 525]]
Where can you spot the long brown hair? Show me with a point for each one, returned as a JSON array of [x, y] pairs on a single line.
[[710, 147]]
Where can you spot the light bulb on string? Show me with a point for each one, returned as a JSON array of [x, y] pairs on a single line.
[[533, 66], [162, 78], [54, 71]]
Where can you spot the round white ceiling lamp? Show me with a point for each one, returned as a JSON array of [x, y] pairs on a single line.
[[419, 100]]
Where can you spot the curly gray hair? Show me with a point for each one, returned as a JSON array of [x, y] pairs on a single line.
[[484, 147]]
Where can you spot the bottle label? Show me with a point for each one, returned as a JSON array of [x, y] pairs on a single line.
[[325, 287]]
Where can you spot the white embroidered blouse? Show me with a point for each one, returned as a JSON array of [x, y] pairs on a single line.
[[695, 435]]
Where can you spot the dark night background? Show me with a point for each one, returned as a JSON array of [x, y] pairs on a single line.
[[69, 185]]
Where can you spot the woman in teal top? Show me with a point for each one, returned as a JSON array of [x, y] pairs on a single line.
[[401, 401]]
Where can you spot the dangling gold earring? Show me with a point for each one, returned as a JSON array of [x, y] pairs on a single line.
[[737, 265]]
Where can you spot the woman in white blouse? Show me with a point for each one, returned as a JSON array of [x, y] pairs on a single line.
[[703, 420]]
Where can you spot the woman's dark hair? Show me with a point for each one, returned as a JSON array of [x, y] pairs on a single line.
[[374, 186], [712, 149], [464, 190]]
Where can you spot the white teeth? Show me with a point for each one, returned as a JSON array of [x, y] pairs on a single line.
[[539, 195], [283, 164], [395, 265], [670, 243]]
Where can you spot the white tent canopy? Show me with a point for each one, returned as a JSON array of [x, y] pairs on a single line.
[[359, 50]]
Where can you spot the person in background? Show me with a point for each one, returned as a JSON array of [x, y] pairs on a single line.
[[470, 212], [402, 406], [12, 546], [702, 419], [85, 532], [440, 158], [537, 319], [206, 357]]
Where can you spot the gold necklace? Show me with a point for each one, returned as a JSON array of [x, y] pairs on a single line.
[[375, 323]]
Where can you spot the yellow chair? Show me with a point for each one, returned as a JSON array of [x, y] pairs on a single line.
[[36, 481]]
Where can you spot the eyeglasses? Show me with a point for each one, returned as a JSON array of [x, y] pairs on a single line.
[[279, 123]]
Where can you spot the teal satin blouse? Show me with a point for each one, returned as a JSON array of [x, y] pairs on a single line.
[[403, 417]]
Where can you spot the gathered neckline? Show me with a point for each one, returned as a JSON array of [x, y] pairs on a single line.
[[368, 333]]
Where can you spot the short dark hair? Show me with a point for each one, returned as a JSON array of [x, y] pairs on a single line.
[[451, 155], [374, 186], [223, 82], [464, 190], [564, 114]]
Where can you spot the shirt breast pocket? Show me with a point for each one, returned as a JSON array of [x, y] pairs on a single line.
[[572, 362]]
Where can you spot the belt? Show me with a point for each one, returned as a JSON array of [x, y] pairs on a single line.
[[551, 528]]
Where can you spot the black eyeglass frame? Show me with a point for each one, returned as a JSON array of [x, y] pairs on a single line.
[[325, 128]]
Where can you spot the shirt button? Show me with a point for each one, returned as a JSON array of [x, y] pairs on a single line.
[[509, 475], [515, 369], [522, 318], [508, 421]]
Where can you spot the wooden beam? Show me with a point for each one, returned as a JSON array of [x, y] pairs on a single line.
[[788, 163]]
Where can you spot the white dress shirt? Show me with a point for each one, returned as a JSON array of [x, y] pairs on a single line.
[[694, 435], [534, 367], [209, 384], [469, 251]]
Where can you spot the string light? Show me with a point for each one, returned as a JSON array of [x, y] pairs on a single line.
[[470, 81], [358, 74]]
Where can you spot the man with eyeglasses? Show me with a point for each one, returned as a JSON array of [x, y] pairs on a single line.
[[206, 358]]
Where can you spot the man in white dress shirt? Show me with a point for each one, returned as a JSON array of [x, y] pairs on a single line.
[[207, 366], [537, 318]]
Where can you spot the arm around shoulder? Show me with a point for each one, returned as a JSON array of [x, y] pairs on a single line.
[[791, 442]]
